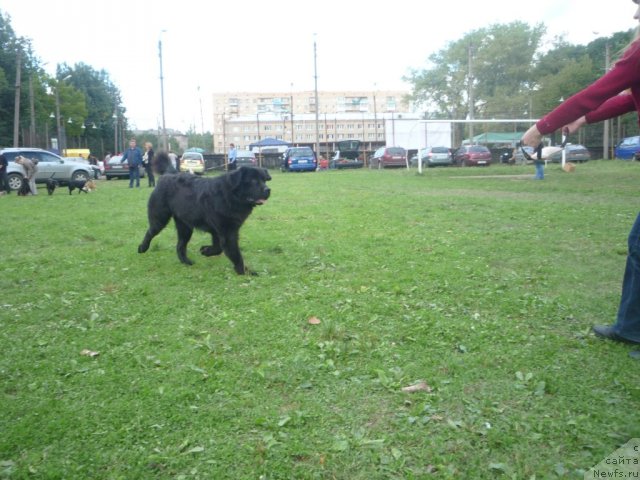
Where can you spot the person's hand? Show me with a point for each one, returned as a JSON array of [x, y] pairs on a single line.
[[574, 126], [532, 137]]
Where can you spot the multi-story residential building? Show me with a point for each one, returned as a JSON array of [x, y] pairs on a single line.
[[245, 118]]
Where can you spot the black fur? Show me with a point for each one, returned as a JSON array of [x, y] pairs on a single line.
[[217, 205], [24, 189], [51, 185], [81, 185], [162, 164]]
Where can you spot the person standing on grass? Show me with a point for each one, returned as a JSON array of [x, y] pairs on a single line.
[[615, 93], [147, 162], [134, 156], [233, 153], [4, 179]]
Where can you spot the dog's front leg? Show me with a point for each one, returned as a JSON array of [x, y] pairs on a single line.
[[232, 251]]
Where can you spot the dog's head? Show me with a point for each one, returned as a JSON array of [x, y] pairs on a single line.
[[250, 184], [90, 186]]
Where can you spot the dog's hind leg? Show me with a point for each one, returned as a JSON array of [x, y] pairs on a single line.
[[156, 225], [211, 250], [184, 235]]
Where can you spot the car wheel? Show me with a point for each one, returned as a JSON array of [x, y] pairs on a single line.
[[80, 176], [15, 181]]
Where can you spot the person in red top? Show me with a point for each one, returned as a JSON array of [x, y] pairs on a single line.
[[615, 93]]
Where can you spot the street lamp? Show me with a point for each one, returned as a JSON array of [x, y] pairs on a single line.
[[59, 126], [164, 128], [315, 78]]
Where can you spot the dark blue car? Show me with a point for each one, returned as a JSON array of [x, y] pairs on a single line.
[[299, 159], [627, 148]]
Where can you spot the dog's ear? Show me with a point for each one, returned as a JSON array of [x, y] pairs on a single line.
[[264, 174], [235, 178]]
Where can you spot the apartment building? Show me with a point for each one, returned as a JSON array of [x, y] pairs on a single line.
[[243, 118]]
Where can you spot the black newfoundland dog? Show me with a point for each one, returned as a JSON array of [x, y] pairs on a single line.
[[217, 205]]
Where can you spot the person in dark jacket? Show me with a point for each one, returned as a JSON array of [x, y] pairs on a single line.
[[133, 156], [4, 179], [147, 161]]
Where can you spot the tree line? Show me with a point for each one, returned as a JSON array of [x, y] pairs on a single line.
[[507, 71], [80, 104], [500, 71]]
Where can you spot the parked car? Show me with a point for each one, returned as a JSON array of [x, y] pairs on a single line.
[[116, 169], [192, 162], [471, 155], [299, 159], [574, 153], [97, 171], [432, 156], [388, 157], [245, 158], [627, 148], [50, 165], [518, 158], [347, 155]]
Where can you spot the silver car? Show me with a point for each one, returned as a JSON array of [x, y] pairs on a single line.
[[433, 156], [50, 165]]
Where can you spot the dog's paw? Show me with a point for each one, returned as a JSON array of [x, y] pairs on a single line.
[[210, 250], [142, 248]]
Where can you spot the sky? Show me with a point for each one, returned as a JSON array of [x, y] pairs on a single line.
[[268, 45]]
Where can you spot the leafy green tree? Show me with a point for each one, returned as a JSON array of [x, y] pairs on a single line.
[[493, 63]]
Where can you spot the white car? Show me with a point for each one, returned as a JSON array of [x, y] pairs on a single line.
[[50, 165]]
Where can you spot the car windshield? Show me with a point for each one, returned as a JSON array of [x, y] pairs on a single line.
[[478, 149], [630, 141], [440, 150], [395, 151], [191, 156], [297, 152]]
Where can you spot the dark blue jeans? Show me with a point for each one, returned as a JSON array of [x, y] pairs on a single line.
[[134, 174], [628, 321]]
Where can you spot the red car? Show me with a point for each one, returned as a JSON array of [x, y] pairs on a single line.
[[389, 157], [470, 155]]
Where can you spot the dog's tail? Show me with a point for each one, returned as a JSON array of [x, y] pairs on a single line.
[[163, 164]]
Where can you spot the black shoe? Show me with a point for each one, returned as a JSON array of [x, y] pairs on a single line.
[[606, 331]]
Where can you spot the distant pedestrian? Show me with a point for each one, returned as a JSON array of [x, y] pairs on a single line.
[[233, 155], [30, 170], [133, 156], [4, 179], [147, 162]]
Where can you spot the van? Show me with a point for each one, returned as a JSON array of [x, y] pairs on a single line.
[[627, 148], [76, 152], [299, 159]]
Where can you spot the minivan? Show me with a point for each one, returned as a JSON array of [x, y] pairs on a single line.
[[299, 159]]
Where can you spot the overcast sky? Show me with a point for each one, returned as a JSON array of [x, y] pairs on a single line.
[[267, 45]]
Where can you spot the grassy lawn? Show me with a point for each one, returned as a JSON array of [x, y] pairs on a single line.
[[483, 283]]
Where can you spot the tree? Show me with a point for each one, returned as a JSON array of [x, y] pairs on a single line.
[[499, 58]]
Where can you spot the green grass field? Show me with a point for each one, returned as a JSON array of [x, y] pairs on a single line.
[[483, 283]]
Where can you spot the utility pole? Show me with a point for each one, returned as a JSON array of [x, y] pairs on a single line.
[[315, 77], [164, 127], [470, 93], [32, 114], [16, 111], [607, 123]]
